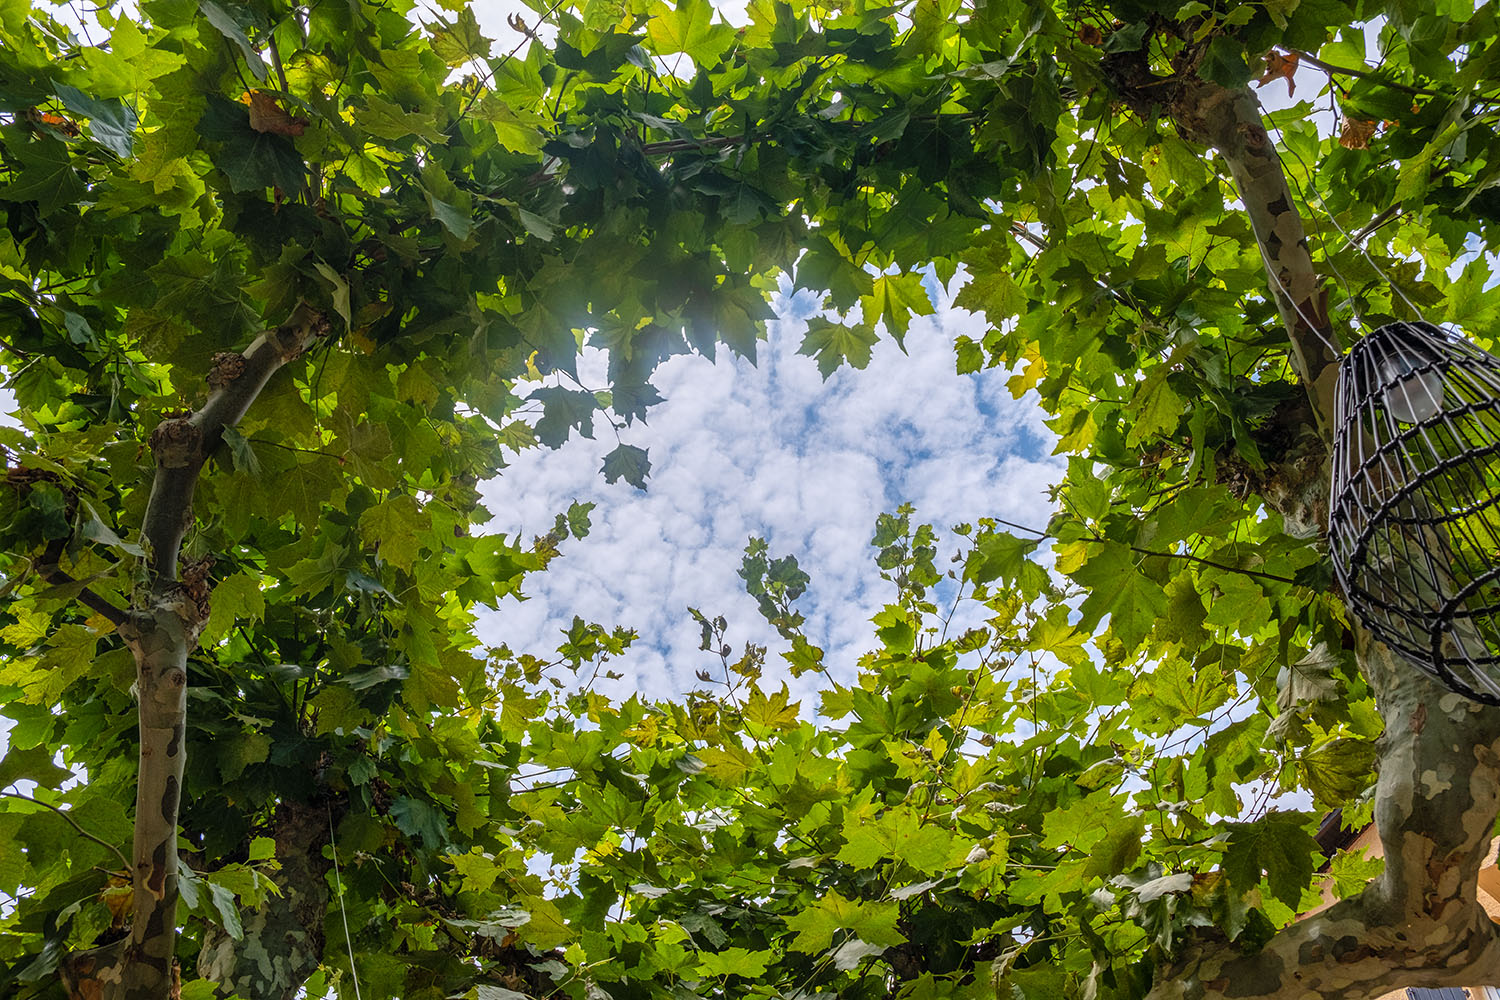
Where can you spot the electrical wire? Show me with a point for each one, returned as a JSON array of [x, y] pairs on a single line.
[[1323, 204], [338, 887]]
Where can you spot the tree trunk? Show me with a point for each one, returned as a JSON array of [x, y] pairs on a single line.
[[142, 966], [1438, 763], [283, 939]]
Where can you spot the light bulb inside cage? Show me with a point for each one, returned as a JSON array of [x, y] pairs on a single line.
[[1414, 514], [1413, 391]]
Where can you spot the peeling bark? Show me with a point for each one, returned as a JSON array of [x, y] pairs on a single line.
[[1229, 121], [160, 634], [283, 940], [1420, 923]]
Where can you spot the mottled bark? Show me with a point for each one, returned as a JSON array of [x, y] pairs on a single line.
[[1419, 923], [1438, 790], [160, 634], [283, 939]]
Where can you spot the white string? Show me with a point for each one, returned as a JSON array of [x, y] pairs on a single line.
[[1349, 239], [338, 886], [1359, 317]]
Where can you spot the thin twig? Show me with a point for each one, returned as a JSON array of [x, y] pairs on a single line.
[[1374, 226], [276, 63], [1332, 70], [49, 570], [74, 824], [1165, 555]]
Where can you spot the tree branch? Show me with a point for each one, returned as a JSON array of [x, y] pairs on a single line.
[[1438, 762], [160, 638], [1367, 74], [49, 570], [1420, 922], [182, 444], [1229, 121]]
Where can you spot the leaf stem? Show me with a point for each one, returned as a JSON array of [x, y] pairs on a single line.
[[74, 824]]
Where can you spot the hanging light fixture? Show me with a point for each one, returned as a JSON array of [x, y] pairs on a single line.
[[1414, 512]]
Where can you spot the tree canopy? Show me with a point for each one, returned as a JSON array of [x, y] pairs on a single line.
[[283, 282]]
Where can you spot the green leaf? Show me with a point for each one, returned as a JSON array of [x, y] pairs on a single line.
[[518, 131], [1353, 872], [237, 599], [251, 160], [47, 175], [735, 961], [241, 452], [1224, 62], [565, 410], [1165, 885], [1156, 408], [454, 217], [95, 530], [771, 712], [688, 28], [833, 344], [900, 834], [1339, 770], [1276, 850], [388, 120], [339, 290], [894, 300], [393, 528], [1117, 587], [578, 518], [873, 921], [31, 764], [230, 29], [628, 462], [111, 123], [461, 41], [237, 752], [416, 818], [1000, 556]]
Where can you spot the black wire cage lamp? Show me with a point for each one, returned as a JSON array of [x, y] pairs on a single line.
[[1414, 512]]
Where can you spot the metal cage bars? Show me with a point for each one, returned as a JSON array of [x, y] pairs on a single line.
[[1414, 513]]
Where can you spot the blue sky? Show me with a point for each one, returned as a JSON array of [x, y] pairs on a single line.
[[769, 450]]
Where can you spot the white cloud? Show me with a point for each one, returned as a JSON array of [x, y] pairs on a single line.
[[769, 450]]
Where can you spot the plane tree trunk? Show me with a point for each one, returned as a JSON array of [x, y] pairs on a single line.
[[161, 632], [1438, 762]]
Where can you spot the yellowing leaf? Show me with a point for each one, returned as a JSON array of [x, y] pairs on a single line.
[[730, 764], [773, 712], [392, 528]]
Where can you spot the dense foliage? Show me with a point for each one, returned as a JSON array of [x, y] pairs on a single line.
[[1052, 804]]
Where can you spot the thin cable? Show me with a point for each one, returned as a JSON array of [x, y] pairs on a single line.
[[1312, 323], [1327, 257], [1312, 185], [338, 886]]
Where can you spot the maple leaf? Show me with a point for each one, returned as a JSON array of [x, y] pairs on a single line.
[[1281, 66], [267, 116], [1356, 133]]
